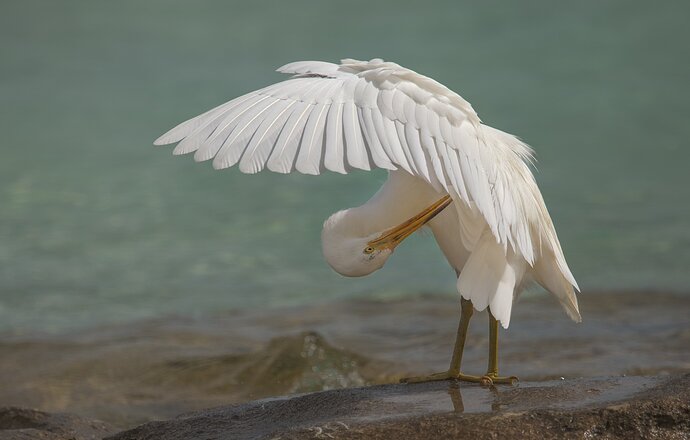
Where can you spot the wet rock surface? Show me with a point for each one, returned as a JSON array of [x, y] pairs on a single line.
[[612, 408], [29, 424], [130, 374]]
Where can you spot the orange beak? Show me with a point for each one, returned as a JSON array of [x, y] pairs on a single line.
[[394, 236]]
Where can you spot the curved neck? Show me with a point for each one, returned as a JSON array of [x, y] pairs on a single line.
[[401, 197], [399, 208], [352, 223]]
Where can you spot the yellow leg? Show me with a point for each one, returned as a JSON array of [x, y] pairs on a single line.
[[491, 376], [454, 369], [454, 373]]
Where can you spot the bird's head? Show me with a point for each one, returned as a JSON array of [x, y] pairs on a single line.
[[352, 250], [353, 256]]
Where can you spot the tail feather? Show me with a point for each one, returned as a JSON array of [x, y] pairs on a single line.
[[548, 273], [490, 276]]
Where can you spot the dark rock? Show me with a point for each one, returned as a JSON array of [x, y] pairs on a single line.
[[25, 424], [612, 408]]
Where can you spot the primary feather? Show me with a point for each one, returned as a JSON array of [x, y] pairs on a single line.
[[367, 114]]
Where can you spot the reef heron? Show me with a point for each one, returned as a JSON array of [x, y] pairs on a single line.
[[470, 183]]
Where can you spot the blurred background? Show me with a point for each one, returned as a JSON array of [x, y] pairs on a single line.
[[107, 240]]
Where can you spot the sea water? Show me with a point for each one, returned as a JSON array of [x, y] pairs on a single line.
[[98, 227]]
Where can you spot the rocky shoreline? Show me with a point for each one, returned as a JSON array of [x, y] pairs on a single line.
[[131, 374], [631, 407], [30, 424]]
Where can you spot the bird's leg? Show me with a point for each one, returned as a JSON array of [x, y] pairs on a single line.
[[454, 369], [491, 376]]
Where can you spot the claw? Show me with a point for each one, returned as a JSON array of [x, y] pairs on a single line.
[[430, 378], [492, 379], [449, 375]]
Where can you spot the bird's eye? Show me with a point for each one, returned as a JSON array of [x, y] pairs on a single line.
[[368, 250]]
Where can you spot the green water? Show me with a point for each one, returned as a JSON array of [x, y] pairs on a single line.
[[97, 226]]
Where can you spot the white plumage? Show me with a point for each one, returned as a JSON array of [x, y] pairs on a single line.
[[377, 114]]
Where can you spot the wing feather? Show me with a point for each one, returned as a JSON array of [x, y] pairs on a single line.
[[396, 147], [283, 155], [372, 114], [357, 156], [380, 158], [197, 137], [398, 103], [262, 143], [186, 128], [405, 147], [430, 148], [222, 131], [309, 155], [334, 158], [416, 151], [247, 123], [453, 167], [375, 121]]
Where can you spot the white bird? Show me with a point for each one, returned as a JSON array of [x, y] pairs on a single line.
[[497, 234]]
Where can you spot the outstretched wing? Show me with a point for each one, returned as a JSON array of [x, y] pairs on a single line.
[[376, 114]]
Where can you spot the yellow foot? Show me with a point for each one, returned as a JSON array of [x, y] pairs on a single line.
[[449, 375], [492, 378]]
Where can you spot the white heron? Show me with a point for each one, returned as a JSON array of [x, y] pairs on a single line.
[[497, 233]]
